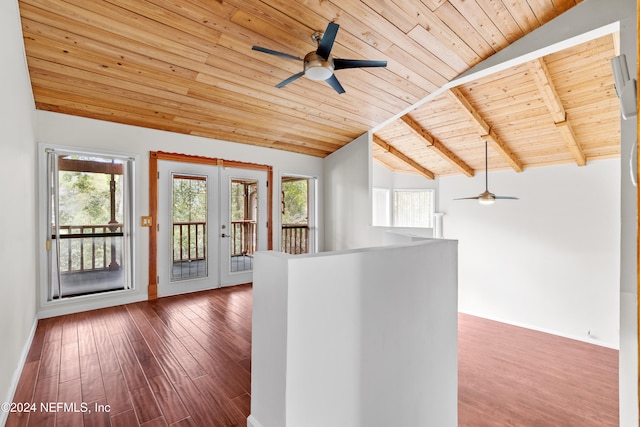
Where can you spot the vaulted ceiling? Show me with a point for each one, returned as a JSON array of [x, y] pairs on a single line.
[[187, 66]]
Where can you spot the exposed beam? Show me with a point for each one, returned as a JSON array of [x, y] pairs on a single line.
[[472, 114], [485, 131], [403, 157], [542, 78], [547, 89], [566, 130], [438, 146], [503, 150]]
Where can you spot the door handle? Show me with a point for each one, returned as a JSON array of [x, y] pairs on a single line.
[[224, 235]]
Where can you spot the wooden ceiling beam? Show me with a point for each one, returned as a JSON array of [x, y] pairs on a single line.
[[502, 149], [472, 114], [437, 146], [542, 77], [566, 130], [403, 157], [483, 128]]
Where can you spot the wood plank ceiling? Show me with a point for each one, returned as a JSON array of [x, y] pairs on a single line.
[[187, 66]]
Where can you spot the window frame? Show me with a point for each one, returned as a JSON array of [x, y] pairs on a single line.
[[129, 161]]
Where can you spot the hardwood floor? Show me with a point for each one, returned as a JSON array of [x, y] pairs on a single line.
[[511, 376], [178, 361], [186, 361]]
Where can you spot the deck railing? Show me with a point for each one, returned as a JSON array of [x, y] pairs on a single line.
[[85, 248], [190, 237], [189, 241], [243, 237], [295, 238]]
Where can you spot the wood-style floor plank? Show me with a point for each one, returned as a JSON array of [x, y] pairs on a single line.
[[185, 361]]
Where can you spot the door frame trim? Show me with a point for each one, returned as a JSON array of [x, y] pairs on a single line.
[[154, 156]]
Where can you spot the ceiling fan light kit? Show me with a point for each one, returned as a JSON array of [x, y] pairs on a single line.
[[317, 68], [487, 197], [320, 64]]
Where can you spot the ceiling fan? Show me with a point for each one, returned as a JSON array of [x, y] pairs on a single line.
[[320, 64], [486, 197]]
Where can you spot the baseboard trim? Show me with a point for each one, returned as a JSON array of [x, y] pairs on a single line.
[[546, 331], [252, 422], [18, 372], [88, 303]]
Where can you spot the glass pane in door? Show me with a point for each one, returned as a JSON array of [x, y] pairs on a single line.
[[189, 227], [244, 213]]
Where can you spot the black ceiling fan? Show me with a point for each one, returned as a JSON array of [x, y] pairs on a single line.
[[320, 64], [486, 197]]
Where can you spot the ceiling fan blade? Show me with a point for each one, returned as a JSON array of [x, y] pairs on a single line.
[[290, 79], [340, 64], [334, 83], [468, 198], [506, 198], [276, 53], [329, 36]]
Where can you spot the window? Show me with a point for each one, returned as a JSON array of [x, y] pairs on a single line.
[[413, 208], [88, 223], [403, 208]]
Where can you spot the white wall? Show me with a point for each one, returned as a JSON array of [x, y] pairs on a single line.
[[83, 133], [385, 178], [548, 261], [363, 338], [628, 370], [17, 193], [347, 204]]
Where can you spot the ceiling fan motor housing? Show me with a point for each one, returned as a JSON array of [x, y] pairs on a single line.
[[318, 68]]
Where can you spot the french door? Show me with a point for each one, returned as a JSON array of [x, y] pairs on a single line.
[[211, 220], [243, 222]]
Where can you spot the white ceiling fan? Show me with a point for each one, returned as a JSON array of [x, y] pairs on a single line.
[[487, 197]]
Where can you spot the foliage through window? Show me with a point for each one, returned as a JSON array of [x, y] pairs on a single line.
[[89, 209], [295, 201]]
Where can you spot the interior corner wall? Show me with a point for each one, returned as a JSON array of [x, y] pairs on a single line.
[[347, 205], [17, 166], [549, 261], [88, 134]]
